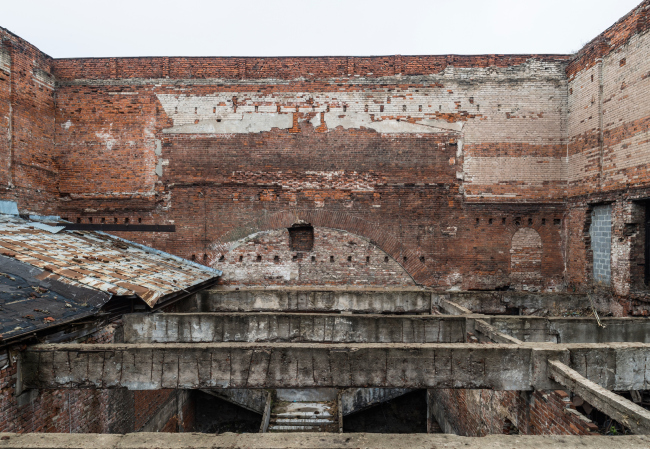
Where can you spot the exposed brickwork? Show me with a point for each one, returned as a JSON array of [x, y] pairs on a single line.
[[28, 168], [609, 150], [81, 411], [487, 412], [526, 258], [336, 257], [146, 403]]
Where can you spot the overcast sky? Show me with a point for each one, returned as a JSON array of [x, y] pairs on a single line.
[[83, 28]]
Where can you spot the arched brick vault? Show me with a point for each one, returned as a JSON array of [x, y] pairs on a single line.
[[551, 243], [334, 220]]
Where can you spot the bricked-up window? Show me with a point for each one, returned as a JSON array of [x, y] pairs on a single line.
[[301, 238], [601, 242]]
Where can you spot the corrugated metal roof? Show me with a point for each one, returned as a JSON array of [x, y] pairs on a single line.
[[28, 304], [100, 261]]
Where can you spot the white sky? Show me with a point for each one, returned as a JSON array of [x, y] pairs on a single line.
[[85, 28]]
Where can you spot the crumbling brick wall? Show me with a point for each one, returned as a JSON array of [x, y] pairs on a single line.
[[486, 412], [407, 153], [337, 257], [609, 149]]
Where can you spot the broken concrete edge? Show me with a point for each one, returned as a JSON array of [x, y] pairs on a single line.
[[624, 411], [253, 400], [266, 415], [493, 334], [308, 440], [451, 308]]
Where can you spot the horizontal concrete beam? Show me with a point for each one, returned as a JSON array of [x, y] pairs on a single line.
[[573, 329], [301, 300], [291, 327], [310, 440], [631, 415], [524, 303], [616, 366]]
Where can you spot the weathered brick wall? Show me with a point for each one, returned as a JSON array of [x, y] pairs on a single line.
[[478, 413], [215, 144], [443, 157], [28, 168], [146, 403], [526, 259], [609, 146], [336, 257], [80, 411]]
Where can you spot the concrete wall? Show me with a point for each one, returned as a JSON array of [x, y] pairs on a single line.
[[412, 300], [615, 366]]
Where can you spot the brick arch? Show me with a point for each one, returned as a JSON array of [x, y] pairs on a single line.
[[334, 220], [551, 243]]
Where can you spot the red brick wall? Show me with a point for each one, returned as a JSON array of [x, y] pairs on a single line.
[[28, 168], [67, 411], [147, 403], [486, 412], [412, 188], [431, 162], [85, 410]]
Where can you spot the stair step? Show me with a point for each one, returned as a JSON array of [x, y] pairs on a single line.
[[302, 422], [302, 415], [293, 429]]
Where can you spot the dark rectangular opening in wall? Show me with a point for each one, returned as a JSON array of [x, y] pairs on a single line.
[[301, 238]]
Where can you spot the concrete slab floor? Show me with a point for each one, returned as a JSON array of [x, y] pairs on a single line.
[[309, 440]]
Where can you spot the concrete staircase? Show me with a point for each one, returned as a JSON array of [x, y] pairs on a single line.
[[305, 411]]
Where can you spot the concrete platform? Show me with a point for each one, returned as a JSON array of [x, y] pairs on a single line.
[[310, 440]]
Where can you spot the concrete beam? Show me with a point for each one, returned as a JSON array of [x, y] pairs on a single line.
[[304, 300], [291, 327], [631, 415], [310, 440], [616, 366], [573, 329]]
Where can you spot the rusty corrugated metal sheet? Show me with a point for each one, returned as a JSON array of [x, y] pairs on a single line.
[[100, 261]]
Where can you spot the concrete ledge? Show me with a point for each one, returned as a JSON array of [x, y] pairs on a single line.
[[291, 327], [310, 440], [301, 300]]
